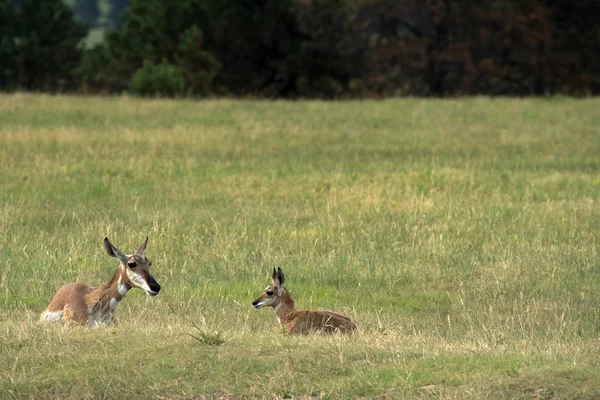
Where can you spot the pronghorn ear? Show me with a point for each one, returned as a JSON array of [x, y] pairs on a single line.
[[142, 248], [277, 277], [113, 251]]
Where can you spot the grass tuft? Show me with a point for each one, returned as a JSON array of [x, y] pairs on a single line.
[[210, 339]]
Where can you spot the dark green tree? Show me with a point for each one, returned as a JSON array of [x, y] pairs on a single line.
[[39, 45], [7, 45], [158, 33], [257, 42], [283, 48], [333, 49], [573, 57], [199, 67], [94, 73]]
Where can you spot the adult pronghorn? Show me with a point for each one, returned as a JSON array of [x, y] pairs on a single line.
[[294, 321], [88, 305]]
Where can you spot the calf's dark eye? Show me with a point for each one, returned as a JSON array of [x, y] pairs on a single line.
[[131, 264], [269, 292]]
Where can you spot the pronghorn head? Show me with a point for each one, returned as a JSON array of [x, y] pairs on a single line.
[[272, 294], [135, 268]]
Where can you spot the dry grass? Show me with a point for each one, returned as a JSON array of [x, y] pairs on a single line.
[[460, 235]]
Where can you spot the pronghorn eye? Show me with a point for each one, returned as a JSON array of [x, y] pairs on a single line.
[[269, 293], [132, 264]]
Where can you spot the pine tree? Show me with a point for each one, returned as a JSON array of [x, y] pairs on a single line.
[[39, 45]]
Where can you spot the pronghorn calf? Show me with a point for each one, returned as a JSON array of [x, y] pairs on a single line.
[[87, 305], [294, 321]]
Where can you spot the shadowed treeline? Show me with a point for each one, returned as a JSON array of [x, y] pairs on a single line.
[[301, 48]]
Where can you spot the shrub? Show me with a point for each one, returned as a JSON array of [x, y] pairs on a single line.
[[163, 79]]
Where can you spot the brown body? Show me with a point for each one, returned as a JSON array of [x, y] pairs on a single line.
[[89, 305], [276, 296]]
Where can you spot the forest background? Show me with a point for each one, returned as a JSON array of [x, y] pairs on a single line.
[[301, 48]]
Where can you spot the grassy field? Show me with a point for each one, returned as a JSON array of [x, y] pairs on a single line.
[[460, 235]]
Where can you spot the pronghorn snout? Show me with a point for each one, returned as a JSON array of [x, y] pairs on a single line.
[[257, 303], [154, 286]]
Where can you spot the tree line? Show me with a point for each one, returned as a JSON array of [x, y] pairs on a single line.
[[306, 48]]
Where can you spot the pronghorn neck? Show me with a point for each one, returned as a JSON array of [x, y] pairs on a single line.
[[285, 310], [104, 299]]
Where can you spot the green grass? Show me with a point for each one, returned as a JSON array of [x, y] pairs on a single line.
[[460, 235]]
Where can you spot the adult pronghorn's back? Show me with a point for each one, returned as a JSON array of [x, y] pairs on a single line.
[[84, 304], [276, 296]]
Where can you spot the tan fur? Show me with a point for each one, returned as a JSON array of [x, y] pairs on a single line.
[[305, 321], [83, 304]]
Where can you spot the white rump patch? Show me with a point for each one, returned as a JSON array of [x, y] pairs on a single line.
[[51, 317]]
